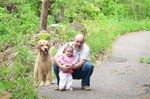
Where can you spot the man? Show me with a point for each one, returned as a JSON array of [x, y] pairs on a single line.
[[83, 69]]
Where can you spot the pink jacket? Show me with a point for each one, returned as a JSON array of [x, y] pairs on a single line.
[[64, 59]]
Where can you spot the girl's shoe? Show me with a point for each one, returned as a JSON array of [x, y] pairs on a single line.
[[62, 89], [71, 89]]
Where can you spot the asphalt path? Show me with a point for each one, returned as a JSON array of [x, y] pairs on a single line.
[[121, 76]]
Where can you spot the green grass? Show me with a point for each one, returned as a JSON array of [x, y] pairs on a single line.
[[148, 60], [141, 59], [101, 33], [144, 60]]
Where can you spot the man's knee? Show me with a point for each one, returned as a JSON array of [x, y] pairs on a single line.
[[88, 66], [55, 67]]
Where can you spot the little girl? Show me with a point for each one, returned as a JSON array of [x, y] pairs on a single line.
[[66, 76]]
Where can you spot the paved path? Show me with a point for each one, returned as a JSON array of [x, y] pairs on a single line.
[[120, 77]]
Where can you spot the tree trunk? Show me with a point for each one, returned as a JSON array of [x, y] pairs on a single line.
[[44, 15]]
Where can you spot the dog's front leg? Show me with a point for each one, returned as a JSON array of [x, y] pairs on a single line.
[[41, 77], [48, 78], [36, 75]]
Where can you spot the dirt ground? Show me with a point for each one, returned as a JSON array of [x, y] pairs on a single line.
[[121, 76]]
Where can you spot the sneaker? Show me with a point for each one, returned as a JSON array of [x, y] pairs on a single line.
[[57, 87], [62, 89], [87, 88], [71, 89]]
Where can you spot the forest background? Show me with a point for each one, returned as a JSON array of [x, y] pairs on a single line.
[[102, 21]]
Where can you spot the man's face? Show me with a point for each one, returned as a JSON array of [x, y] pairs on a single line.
[[78, 43]]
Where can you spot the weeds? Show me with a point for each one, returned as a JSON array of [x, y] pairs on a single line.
[[148, 60], [144, 60], [141, 59]]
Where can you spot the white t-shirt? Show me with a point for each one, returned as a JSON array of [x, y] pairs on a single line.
[[83, 52]]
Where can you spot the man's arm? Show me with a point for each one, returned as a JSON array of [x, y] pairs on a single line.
[[79, 64]]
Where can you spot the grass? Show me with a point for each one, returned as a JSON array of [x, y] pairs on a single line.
[[141, 60], [102, 33], [144, 60]]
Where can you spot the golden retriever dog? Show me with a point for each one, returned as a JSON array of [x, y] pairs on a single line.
[[43, 64]]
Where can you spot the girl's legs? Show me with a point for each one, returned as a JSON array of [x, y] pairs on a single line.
[[69, 82]]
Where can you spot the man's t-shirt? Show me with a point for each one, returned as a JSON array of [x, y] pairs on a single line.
[[83, 53]]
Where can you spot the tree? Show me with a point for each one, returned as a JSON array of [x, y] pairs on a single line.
[[44, 15]]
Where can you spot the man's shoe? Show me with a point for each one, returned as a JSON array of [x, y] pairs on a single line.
[[57, 87], [87, 88]]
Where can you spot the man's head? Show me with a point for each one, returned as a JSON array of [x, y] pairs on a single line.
[[78, 41]]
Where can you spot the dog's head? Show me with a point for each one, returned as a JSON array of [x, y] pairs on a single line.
[[43, 46]]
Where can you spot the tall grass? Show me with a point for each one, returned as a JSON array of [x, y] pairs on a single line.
[[101, 33]]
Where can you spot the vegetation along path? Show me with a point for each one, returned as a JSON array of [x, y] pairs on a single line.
[[122, 76]]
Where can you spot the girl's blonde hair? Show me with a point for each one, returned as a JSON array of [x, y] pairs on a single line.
[[68, 46]]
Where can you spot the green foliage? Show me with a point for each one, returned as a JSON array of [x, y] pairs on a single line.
[[148, 60], [141, 59], [89, 9], [18, 79], [23, 88], [8, 84], [24, 56], [101, 33], [23, 21], [53, 50], [24, 63], [2, 86], [51, 20], [144, 60], [21, 82], [5, 71], [43, 36]]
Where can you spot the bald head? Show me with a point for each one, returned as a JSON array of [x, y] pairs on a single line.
[[80, 37], [79, 40]]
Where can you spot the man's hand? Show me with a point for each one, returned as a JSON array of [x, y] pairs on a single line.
[[64, 67], [70, 66]]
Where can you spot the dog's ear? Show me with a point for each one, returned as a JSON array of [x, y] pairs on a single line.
[[48, 44], [38, 45]]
